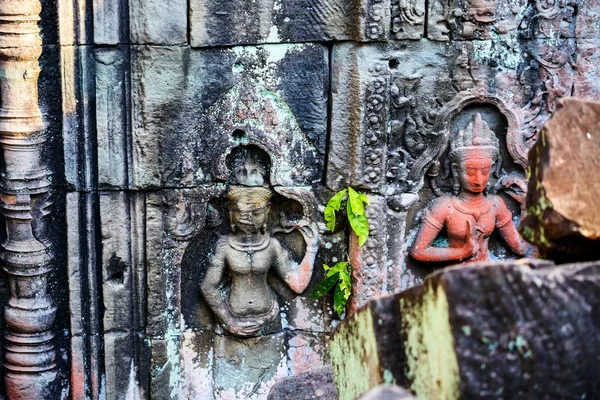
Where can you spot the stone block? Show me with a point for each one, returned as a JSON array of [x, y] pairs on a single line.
[[126, 362], [123, 260], [112, 117], [587, 74], [156, 318], [316, 383], [369, 343], [248, 368], [215, 23], [517, 332], [110, 22], [78, 107], [561, 219], [306, 351], [197, 359], [182, 93], [236, 22], [387, 392], [158, 22], [508, 20], [166, 380]]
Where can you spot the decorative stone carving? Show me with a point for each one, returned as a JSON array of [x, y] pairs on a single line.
[[246, 255], [408, 18], [470, 216], [30, 368]]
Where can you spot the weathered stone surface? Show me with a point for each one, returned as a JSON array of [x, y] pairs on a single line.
[[198, 362], [215, 23], [112, 117], [175, 105], [587, 74], [517, 332], [408, 19], [316, 383], [387, 392], [110, 21], [562, 220], [247, 368], [126, 361], [368, 342], [306, 350], [123, 259], [508, 20], [158, 21]]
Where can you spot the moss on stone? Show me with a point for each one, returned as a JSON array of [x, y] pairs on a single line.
[[432, 364], [354, 356]]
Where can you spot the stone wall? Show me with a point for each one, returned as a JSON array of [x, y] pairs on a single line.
[[147, 102]]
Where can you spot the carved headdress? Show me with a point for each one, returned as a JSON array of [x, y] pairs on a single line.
[[249, 180], [258, 195], [476, 139]]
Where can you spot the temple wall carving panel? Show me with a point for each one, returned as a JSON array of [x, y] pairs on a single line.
[[169, 149]]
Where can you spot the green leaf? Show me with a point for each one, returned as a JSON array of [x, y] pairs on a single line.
[[364, 198], [345, 283], [359, 224], [339, 300], [355, 202], [324, 286], [339, 267], [332, 206]]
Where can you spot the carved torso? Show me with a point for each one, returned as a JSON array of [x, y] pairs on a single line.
[[250, 294], [486, 216]]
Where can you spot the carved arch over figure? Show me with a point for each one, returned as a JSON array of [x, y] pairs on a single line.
[[516, 142], [259, 117]]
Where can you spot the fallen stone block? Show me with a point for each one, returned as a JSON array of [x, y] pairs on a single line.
[[525, 329], [564, 189]]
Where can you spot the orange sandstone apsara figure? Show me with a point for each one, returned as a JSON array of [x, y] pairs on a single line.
[[471, 216]]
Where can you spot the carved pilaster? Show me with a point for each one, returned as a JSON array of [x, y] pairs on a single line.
[[24, 202]]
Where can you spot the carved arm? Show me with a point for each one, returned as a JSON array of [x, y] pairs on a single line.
[[298, 276], [210, 286], [422, 250]]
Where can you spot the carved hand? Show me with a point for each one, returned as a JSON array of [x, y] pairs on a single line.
[[515, 187], [310, 232], [472, 242]]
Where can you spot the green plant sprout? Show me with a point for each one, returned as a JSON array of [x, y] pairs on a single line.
[[338, 276]]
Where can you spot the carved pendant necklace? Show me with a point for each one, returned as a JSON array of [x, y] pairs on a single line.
[[249, 247], [477, 212]]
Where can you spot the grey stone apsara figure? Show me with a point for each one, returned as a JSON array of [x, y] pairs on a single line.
[[247, 254]]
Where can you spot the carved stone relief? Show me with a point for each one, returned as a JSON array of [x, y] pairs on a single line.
[[235, 258], [469, 217], [425, 94], [159, 114], [501, 20], [408, 19], [247, 254]]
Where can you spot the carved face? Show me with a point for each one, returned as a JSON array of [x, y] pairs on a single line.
[[249, 217], [474, 174]]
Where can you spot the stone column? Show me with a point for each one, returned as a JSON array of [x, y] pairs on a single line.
[[24, 202]]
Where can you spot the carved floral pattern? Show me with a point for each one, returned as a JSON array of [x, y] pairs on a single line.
[[375, 137]]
